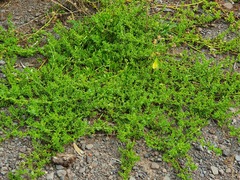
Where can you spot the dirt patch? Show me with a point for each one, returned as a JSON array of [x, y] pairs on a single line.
[[26, 15]]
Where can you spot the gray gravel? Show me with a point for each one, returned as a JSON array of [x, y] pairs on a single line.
[[102, 160]]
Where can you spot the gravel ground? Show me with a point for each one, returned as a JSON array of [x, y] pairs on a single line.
[[101, 159]]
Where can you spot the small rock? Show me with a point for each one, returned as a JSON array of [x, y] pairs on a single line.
[[17, 17], [64, 159], [59, 167], [159, 159], [89, 146], [228, 170], [234, 121], [135, 168], [155, 165], [237, 157], [37, 14], [202, 175], [211, 176], [221, 172], [82, 170], [164, 170], [226, 152], [50, 176], [238, 177], [96, 153], [70, 174], [228, 5], [167, 177], [2, 75], [212, 131], [89, 159], [132, 178], [147, 155], [61, 174], [2, 62], [4, 170], [157, 9], [209, 151], [199, 148], [214, 170], [168, 10], [94, 164], [83, 146], [233, 109]]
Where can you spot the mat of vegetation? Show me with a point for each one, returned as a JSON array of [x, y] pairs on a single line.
[[113, 72]]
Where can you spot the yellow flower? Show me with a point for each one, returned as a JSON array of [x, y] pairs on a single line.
[[155, 64]]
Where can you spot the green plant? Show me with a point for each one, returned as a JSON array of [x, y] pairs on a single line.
[[100, 77]]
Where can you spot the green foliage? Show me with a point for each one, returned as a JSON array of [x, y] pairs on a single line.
[[99, 77], [128, 160], [9, 44]]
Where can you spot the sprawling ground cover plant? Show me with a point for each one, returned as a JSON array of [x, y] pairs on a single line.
[[113, 72]]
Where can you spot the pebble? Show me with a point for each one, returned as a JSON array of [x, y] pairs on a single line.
[[94, 164], [214, 170], [221, 172], [147, 155], [82, 170], [4, 170], [61, 174], [159, 159], [2, 75], [135, 168], [226, 152], [59, 167], [37, 14], [96, 153], [89, 146], [155, 165], [212, 131], [2, 62], [50, 176], [237, 157], [201, 174], [89, 159], [211, 176], [70, 174], [199, 148], [238, 177], [167, 177], [228, 5], [164, 170], [132, 178], [228, 170], [168, 10]]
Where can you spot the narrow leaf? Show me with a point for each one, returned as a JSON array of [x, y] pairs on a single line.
[[77, 149]]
